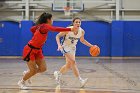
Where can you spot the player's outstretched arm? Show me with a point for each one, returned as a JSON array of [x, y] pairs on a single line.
[[59, 29], [82, 40]]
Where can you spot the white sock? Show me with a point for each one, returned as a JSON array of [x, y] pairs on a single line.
[[80, 78], [59, 73], [22, 81]]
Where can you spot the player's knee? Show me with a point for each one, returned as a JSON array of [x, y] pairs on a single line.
[[73, 63], [43, 69], [33, 71], [68, 66]]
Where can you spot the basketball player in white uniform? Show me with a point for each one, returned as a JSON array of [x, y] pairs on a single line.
[[68, 48]]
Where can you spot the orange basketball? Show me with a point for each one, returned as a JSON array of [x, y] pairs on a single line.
[[94, 51]]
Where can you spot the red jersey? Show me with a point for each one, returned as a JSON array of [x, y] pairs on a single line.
[[41, 32]]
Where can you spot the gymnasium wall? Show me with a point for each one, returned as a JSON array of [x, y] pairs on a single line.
[[116, 39]]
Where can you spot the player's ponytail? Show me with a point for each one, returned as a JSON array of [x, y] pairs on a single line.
[[43, 18]]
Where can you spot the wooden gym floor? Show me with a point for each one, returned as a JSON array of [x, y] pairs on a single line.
[[104, 76]]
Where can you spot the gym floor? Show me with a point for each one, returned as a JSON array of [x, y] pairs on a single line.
[[104, 76]]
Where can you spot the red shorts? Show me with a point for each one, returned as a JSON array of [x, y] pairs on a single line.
[[32, 54]]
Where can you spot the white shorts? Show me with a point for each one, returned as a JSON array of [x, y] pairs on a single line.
[[68, 49]]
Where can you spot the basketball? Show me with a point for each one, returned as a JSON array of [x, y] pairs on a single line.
[[94, 51]]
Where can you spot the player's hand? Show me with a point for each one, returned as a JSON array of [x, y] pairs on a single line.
[[91, 45], [94, 45], [59, 48]]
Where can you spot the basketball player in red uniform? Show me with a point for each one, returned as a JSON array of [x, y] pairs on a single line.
[[32, 52]]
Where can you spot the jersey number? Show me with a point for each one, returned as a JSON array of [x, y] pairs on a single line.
[[72, 41]]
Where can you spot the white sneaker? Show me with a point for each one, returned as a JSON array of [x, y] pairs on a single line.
[[57, 76], [83, 82], [22, 85], [29, 81]]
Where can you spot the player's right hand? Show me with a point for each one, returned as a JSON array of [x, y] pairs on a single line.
[[59, 48]]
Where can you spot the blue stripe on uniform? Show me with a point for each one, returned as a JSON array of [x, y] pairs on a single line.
[[64, 51], [62, 41]]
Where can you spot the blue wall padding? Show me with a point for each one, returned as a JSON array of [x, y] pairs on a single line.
[[10, 34], [26, 34], [1, 38], [132, 38], [117, 38]]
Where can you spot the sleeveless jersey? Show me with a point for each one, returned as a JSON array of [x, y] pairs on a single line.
[[70, 39]]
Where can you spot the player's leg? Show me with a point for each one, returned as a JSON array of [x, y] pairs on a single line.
[[41, 65], [31, 72], [40, 61], [69, 61], [29, 55], [76, 70], [63, 69], [41, 68], [29, 80], [74, 67], [66, 67]]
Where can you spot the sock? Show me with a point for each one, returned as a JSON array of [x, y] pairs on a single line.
[[80, 78], [23, 81], [59, 73]]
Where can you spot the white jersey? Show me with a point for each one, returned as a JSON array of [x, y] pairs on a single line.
[[70, 39]]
